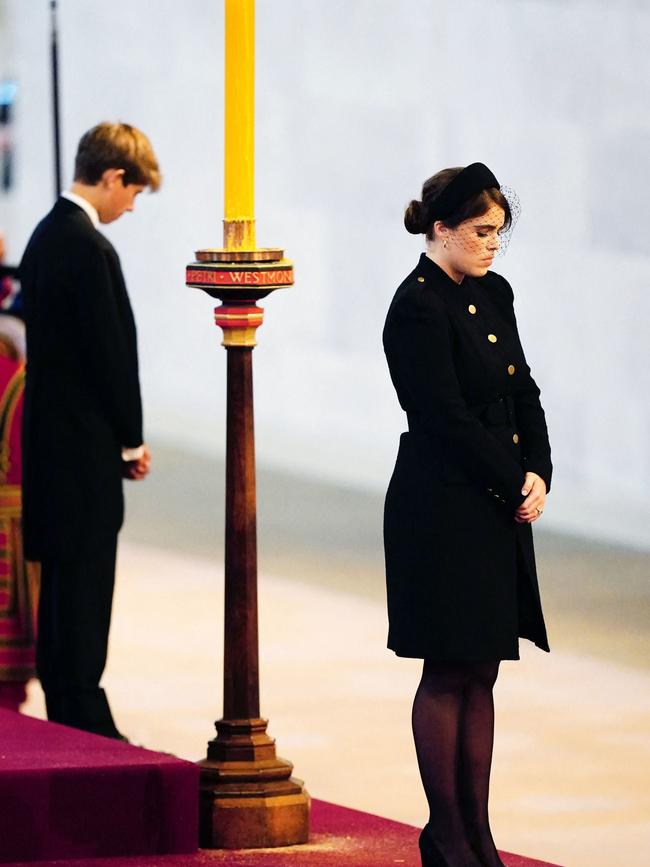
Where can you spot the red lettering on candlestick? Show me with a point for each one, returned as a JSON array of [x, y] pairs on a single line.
[[210, 277]]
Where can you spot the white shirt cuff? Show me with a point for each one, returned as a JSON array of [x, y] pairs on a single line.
[[133, 454]]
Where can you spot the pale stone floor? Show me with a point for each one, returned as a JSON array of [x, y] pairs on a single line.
[[572, 754]]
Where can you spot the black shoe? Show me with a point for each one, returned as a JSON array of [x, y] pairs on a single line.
[[476, 847], [429, 853]]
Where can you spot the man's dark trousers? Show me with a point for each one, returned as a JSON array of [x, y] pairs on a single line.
[[74, 620]]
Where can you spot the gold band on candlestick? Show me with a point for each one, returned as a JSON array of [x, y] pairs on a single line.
[[239, 234], [219, 254]]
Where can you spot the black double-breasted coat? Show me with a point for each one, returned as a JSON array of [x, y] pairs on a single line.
[[461, 575], [82, 393]]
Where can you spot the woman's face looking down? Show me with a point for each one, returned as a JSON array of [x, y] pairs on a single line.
[[471, 246]]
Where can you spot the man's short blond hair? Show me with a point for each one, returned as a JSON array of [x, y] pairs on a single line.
[[116, 146]]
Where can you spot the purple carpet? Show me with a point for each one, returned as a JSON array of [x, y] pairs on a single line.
[[67, 794], [67, 797]]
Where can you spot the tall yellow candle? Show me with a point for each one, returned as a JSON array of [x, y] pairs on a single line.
[[239, 210]]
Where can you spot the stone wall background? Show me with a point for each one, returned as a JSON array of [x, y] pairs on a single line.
[[358, 101]]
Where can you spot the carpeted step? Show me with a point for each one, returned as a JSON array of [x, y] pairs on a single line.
[[340, 837], [67, 794]]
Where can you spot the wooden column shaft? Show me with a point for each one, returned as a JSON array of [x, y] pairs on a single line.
[[241, 653]]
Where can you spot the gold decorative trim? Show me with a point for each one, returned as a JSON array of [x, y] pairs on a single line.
[[253, 319], [218, 254], [10, 501], [8, 405], [239, 234], [241, 337]]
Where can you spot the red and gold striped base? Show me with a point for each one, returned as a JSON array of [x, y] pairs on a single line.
[[239, 323]]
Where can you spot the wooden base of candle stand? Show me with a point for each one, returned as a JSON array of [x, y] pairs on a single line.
[[248, 798]]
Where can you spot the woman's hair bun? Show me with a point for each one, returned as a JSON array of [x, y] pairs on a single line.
[[414, 218]]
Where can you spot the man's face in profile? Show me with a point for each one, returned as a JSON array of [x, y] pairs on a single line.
[[116, 196]]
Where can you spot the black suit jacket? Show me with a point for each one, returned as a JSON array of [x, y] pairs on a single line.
[[82, 393], [461, 572]]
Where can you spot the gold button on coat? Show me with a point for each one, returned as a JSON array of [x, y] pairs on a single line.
[[492, 338], [471, 308], [420, 279], [511, 369], [515, 438]]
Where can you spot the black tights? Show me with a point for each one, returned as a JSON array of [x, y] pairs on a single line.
[[453, 727]]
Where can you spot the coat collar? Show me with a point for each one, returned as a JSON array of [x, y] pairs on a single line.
[[455, 294], [63, 208], [434, 277], [85, 206], [428, 269]]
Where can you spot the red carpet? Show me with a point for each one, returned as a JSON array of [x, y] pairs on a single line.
[[69, 794], [339, 838], [62, 788]]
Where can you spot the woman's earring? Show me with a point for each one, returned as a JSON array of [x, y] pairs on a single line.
[[444, 243]]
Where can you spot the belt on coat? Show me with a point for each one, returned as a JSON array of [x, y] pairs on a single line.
[[500, 411]]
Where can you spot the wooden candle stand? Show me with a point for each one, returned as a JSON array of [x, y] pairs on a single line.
[[248, 798]]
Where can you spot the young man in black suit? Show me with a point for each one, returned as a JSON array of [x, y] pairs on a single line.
[[82, 430]]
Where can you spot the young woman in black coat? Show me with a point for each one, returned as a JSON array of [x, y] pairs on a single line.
[[471, 476]]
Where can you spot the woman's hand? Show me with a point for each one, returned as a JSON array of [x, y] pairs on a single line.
[[138, 469], [534, 490]]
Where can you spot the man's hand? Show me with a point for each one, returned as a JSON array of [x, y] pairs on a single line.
[[137, 470], [534, 490]]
